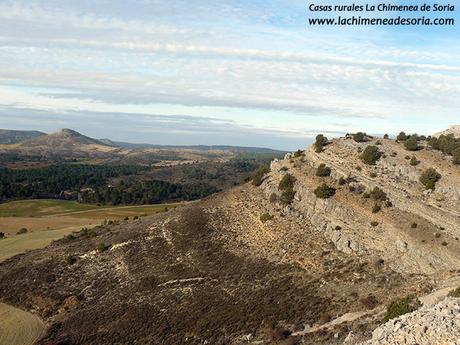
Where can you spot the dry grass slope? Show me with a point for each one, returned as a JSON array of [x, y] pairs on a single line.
[[18, 327]]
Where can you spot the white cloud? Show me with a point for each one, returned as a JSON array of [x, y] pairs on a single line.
[[56, 58]]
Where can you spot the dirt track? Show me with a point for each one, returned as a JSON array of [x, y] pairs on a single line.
[[18, 327]]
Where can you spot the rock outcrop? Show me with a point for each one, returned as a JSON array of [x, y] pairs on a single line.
[[454, 130], [417, 231], [439, 324]]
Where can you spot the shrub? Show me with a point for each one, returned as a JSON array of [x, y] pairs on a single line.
[[455, 293], [338, 227], [342, 181], [320, 142], [70, 259], [411, 144], [374, 223], [388, 203], [70, 237], [402, 136], [22, 231], [324, 191], [278, 334], [414, 162], [371, 155], [284, 169], [298, 153], [386, 136], [273, 198], [373, 174], [101, 247], [429, 178], [359, 168], [376, 208], [378, 195], [359, 137], [413, 225], [456, 156], [287, 196], [370, 302], [366, 195], [259, 174], [287, 182], [2, 235], [266, 217], [401, 306], [323, 170]]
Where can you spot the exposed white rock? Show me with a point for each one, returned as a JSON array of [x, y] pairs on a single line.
[[438, 324]]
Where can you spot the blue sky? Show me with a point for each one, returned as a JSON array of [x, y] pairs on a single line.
[[219, 72]]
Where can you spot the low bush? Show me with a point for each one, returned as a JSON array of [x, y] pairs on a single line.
[[342, 181], [320, 142], [370, 302], [374, 223], [386, 136], [455, 293], [2, 235], [278, 333], [371, 155], [266, 217], [70, 259], [414, 225], [299, 153], [287, 182], [376, 208], [373, 174], [359, 137], [22, 231], [101, 247], [287, 196], [411, 144], [401, 306], [323, 170], [273, 198], [378, 195], [259, 174], [414, 162], [429, 178], [324, 191], [402, 136]]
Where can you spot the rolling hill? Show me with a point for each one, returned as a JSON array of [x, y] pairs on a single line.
[[14, 137], [69, 145]]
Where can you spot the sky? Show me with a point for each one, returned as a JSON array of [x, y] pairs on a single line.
[[233, 72]]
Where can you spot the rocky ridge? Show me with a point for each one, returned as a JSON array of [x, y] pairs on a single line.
[[439, 324], [345, 219]]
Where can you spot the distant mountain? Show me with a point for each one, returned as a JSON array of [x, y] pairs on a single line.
[[65, 138], [68, 144], [8, 136], [240, 149]]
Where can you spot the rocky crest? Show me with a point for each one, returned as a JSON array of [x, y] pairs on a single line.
[[454, 130], [439, 324], [418, 233]]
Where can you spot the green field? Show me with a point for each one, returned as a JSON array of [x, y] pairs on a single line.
[[48, 220], [38, 208]]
